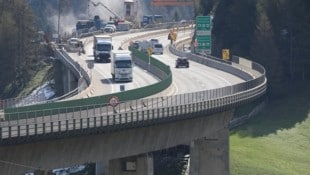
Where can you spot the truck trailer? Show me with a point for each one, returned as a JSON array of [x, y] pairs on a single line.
[[121, 65], [102, 48]]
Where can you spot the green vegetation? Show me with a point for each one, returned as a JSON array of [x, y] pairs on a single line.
[[277, 141], [20, 52], [44, 74]]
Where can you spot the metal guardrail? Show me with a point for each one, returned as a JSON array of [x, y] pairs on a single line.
[[85, 120]]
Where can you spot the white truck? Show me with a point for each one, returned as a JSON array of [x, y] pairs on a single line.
[[102, 48], [121, 65]]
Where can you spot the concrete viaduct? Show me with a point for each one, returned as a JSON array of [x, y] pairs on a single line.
[[125, 138]]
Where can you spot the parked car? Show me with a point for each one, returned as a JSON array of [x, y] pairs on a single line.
[[158, 48], [181, 62]]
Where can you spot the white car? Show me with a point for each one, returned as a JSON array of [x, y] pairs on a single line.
[[111, 25], [109, 28], [158, 48]]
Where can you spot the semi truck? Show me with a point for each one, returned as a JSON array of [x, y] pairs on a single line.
[[121, 65], [102, 48]]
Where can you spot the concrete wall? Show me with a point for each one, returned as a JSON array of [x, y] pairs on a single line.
[[108, 146]]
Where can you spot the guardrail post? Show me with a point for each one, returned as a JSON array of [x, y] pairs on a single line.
[[101, 121], [74, 120], [18, 131], [52, 127], [81, 123], [87, 123], [43, 128], [35, 129], [67, 125], [148, 114], [0, 134], [95, 122], [10, 130], [59, 126]]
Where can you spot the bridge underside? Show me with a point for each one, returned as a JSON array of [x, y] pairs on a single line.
[[207, 135]]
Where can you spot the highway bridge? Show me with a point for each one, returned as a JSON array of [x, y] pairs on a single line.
[[163, 107]]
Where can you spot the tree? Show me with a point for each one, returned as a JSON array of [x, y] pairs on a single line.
[[264, 50], [233, 26]]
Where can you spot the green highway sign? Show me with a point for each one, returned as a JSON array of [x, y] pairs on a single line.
[[203, 24], [204, 43], [203, 34]]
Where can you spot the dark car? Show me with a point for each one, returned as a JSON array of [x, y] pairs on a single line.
[[181, 62]]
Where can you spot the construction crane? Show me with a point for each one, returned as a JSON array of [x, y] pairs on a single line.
[[100, 3]]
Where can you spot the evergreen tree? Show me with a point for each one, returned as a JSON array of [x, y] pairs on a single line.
[[233, 26], [264, 50]]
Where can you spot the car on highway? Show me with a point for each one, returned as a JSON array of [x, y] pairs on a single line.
[[158, 48], [181, 62], [134, 44], [154, 41], [109, 28]]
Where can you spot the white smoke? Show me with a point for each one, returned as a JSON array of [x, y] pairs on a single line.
[[115, 6], [66, 22]]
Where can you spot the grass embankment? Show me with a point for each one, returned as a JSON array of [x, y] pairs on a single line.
[[277, 142], [42, 74]]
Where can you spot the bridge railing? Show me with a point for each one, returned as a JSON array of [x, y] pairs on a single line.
[[134, 113]]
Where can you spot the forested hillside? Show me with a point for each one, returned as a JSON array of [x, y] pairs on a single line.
[[275, 33], [19, 51]]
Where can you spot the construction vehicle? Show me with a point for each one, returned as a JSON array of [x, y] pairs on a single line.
[[116, 16]]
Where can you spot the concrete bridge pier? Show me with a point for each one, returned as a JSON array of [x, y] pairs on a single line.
[[102, 167], [134, 165], [210, 156], [69, 80]]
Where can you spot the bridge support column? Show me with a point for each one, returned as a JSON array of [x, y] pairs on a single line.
[[102, 168], [210, 156], [69, 80]]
